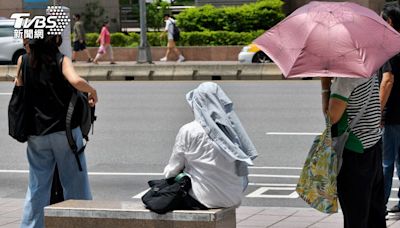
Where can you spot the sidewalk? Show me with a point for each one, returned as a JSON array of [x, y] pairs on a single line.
[[246, 217]]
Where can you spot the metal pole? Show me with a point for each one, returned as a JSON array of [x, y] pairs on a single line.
[[144, 54]]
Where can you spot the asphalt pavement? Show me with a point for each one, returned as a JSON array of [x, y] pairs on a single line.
[[138, 121]]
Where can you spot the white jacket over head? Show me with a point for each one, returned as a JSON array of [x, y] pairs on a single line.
[[214, 149]]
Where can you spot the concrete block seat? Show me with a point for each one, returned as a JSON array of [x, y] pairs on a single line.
[[99, 214]]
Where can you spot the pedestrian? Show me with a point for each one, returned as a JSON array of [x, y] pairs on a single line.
[[105, 44], [390, 98], [47, 78], [213, 149], [360, 181], [171, 46], [80, 39]]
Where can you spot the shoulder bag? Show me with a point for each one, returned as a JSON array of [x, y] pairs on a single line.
[[17, 110]]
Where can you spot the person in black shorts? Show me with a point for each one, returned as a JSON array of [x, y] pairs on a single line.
[[79, 39]]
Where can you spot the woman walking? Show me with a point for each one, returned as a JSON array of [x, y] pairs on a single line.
[[105, 44]]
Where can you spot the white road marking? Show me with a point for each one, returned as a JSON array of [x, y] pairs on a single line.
[[274, 176], [259, 193], [94, 173], [124, 174], [139, 196], [272, 185], [275, 167], [292, 133], [13, 171], [5, 94]]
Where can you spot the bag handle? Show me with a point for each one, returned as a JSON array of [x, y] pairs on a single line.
[[22, 69]]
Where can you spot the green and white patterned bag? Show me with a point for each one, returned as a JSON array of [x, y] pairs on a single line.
[[317, 184]]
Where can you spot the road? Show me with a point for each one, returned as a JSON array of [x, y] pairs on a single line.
[[138, 121]]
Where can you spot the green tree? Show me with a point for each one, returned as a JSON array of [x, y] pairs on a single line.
[[262, 14], [155, 14], [93, 16]]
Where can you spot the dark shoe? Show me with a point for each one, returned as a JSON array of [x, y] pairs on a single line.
[[394, 209], [113, 63], [73, 60], [90, 60]]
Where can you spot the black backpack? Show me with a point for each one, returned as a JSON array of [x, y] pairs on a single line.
[[78, 106], [176, 32]]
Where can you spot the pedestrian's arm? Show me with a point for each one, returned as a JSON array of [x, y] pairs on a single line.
[[18, 80], [336, 109], [100, 39], [165, 29], [385, 88], [325, 93], [177, 160], [76, 81]]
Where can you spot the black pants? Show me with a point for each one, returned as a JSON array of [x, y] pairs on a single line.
[[190, 203], [360, 189]]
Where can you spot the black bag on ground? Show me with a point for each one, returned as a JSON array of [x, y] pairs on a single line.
[[17, 122], [167, 194]]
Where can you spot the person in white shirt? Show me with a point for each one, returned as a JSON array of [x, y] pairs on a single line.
[[171, 46], [214, 149]]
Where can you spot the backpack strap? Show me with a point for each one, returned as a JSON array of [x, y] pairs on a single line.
[[68, 129], [68, 119]]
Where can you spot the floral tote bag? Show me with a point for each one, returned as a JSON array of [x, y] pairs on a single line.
[[317, 184]]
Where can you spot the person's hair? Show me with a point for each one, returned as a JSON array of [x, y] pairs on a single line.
[[77, 16], [167, 15], [43, 52], [391, 10]]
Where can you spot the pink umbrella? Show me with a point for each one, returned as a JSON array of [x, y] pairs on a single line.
[[330, 39]]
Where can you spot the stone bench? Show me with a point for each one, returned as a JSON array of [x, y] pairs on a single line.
[[99, 214]]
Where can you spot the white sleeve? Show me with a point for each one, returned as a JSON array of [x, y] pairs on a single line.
[[343, 87], [177, 160], [167, 25]]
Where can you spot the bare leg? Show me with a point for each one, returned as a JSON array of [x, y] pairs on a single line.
[[110, 54], [177, 52], [96, 59], [168, 52], [87, 53]]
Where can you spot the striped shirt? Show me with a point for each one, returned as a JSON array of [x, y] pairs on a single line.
[[355, 92]]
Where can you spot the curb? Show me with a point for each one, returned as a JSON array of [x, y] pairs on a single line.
[[168, 71]]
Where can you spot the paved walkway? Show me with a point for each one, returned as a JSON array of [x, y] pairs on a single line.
[[247, 217]]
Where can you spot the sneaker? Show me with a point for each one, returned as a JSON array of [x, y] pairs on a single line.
[[394, 209], [163, 59], [181, 59], [90, 60]]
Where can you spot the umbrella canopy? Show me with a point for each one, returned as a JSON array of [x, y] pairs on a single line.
[[330, 39]]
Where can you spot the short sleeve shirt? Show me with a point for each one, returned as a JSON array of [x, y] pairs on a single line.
[[169, 27], [391, 113], [355, 92]]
